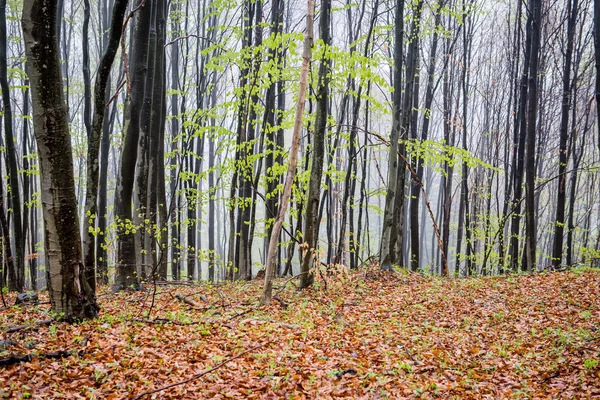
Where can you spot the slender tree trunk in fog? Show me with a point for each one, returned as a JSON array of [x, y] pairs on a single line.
[[557, 250], [126, 274], [394, 199], [96, 128], [311, 226], [17, 273], [530, 150], [293, 160]]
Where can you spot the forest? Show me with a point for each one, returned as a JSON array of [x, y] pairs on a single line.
[[351, 199]]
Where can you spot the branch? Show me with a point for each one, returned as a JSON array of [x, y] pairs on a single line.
[[22, 327], [28, 357], [189, 36], [201, 374], [435, 227]]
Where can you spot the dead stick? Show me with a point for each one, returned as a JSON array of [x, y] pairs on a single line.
[[187, 300], [435, 227], [21, 327], [28, 357], [201, 374]]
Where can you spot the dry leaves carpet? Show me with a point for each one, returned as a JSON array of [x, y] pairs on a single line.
[[361, 335]]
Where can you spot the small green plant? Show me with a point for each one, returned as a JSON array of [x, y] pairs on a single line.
[[590, 363], [405, 367], [100, 375], [586, 315]]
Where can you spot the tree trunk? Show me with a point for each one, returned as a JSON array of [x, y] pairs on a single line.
[[70, 295], [126, 274], [559, 224], [519, 149], [408, 104], [95, 130], [27, 189], [597, 61], [394, 199], [311, 227], [530, 153], [155, 156], [289, 180], [17, 281]]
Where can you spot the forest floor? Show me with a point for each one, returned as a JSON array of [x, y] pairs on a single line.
[[359, 335]]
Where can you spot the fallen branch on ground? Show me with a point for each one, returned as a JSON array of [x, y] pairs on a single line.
[[189, 301], [174, 283], [201, 374], [164, 321], [30, 326], [284, 305], [28, 357], [286, 282], [53, 355]]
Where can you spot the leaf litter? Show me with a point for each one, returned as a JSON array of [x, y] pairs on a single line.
[[357, 335]]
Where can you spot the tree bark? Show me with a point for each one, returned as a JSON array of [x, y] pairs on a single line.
[[291, 173], [390, 234], [530, 150], [311, 226], [17, 276], [559, 224], [126, 274], [70, 295]]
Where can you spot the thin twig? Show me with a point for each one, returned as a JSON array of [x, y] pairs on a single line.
[[114, 97], [201, 374], [435, 227], [191, 35]]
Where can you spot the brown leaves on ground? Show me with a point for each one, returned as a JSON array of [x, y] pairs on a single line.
[[364, 335]]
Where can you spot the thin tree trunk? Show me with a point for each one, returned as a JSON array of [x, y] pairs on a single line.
[[411, 95], [17, 277], [126, 262], [557, 249], [289, 180], [530, 150], [394, 199], [311, 226], [519, 148]]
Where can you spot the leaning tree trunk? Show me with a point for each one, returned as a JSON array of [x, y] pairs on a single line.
[[70, 295], [293, 161]]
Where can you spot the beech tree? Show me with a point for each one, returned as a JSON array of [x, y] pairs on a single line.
[[70, 295], [127, 267], [312, 221]]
